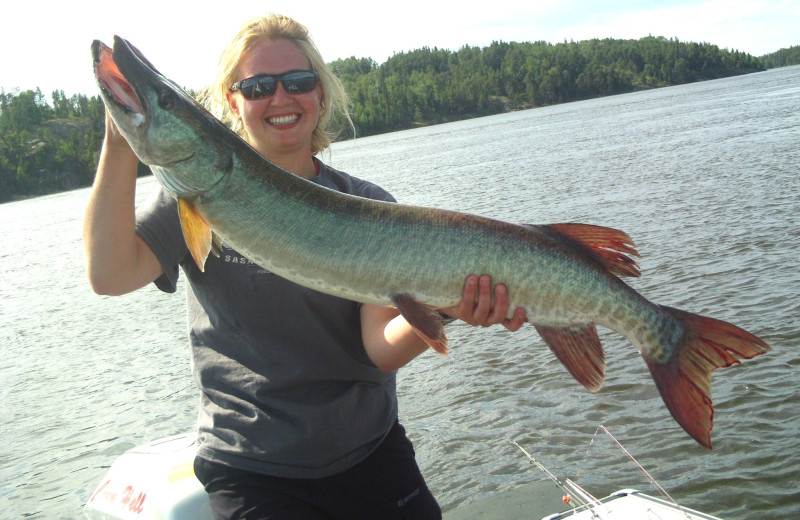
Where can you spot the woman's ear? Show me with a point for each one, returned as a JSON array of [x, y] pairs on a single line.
[[232, 103]]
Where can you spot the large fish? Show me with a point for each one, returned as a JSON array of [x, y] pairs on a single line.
[[565, 276]]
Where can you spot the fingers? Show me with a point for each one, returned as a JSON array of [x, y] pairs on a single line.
[[466, 307], [480, 306], [500, 308], [518, 320], [483, 309]]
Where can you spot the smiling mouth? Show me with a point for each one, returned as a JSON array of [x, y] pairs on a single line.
[[283, 120]]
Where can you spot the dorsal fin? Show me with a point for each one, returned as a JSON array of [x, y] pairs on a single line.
[[608, 246]]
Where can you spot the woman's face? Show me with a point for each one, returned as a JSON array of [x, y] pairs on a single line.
[[279, 125]]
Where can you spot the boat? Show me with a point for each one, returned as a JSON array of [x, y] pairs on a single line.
[[156, 481]]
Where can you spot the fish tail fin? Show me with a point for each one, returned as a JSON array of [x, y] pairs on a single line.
[[608, 246], [684, 381]]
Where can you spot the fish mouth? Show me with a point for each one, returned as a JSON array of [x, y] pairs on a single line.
[[146, 106], [114, 84], [123, 97]]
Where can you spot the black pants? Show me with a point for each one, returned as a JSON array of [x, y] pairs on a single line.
[[387, 485]]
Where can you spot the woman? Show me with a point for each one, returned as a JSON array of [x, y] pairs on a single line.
[[298, 417]]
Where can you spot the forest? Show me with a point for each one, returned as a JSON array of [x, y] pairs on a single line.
[[433, 85], [782, 58], [52, 144]]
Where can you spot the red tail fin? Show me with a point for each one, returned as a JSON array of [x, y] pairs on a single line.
[[685, 380]]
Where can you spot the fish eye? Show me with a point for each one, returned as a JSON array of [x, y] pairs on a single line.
[[166, 100]]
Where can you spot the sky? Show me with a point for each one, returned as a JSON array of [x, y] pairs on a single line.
[[46, 43]]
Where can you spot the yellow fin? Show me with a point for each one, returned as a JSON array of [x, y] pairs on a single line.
[[196, 232]]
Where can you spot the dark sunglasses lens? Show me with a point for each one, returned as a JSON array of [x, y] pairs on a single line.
[[258, 87], [299, 82]]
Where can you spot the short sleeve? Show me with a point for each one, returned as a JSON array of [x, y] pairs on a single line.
[[157, 223]]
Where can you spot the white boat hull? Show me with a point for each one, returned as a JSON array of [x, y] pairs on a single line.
[[156, 481]]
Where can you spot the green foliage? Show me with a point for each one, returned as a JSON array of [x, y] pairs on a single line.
[[49, 146], [428, 86], [782, 58]]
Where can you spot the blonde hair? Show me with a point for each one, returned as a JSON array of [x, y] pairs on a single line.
[[276, 27]]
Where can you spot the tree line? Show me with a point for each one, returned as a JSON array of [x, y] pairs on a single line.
[[782, 58], [436, 85], [53, 145]]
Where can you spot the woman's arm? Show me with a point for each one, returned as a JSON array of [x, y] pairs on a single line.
[[391, 342], [117, 260]]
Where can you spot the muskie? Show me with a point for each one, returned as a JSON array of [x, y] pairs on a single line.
[[565, 276]]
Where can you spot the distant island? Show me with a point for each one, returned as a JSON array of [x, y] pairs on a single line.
[[52, 145]]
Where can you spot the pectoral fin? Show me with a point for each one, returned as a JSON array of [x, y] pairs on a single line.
[[578, 348], [425, 321], [196, 232]]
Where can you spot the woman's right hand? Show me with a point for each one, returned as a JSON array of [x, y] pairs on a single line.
[[114, 140], [117, 260]]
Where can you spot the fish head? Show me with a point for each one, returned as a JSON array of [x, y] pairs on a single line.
[[167, 128]]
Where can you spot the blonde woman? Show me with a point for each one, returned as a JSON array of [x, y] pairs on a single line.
[[298, 414]]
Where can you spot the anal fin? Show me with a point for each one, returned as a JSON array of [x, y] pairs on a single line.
[[425, 321], [578, 348]]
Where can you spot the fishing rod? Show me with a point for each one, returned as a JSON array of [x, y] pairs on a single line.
[[653, 482], [581, 495], [644, 472], [584, 498]]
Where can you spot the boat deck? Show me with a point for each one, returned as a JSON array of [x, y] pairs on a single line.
[[531, 501]]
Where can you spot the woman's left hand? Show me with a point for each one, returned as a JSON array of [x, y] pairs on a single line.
[[478, 308]]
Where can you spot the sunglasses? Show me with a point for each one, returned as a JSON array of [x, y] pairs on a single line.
[[263, 85]]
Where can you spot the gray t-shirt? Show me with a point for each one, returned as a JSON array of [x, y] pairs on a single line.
[[287, 388]]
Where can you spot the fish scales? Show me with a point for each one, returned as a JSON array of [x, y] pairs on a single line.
[[429, 263]]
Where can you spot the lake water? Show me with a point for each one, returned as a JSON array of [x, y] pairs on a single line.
[[704, 177]]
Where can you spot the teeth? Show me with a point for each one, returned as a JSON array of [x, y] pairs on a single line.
[[283, 120]]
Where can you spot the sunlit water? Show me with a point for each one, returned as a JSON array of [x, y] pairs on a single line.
[[704, 177]]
